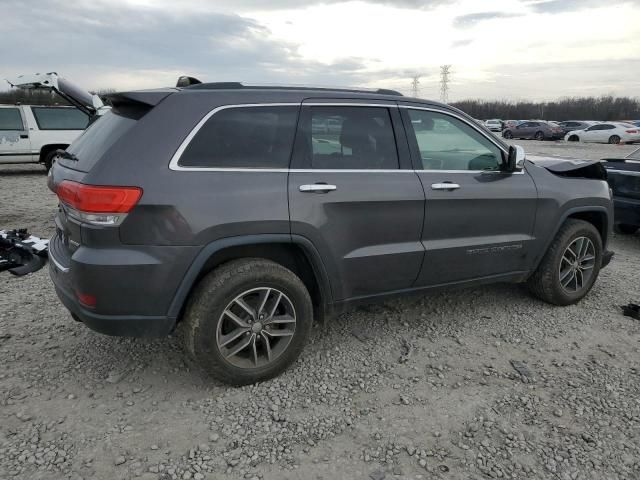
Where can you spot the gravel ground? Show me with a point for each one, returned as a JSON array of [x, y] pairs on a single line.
[[470, 384]]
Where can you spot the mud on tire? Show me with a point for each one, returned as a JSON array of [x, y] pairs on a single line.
[[216, 293], [545, 281]]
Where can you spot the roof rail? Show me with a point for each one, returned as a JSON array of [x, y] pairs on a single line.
[[240, 85]]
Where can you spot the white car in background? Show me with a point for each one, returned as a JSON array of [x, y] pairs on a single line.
[[494, 125], [607, 132]]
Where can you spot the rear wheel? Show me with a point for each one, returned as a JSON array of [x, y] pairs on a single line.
[[48, 160], [571, 265], [507, 134], [626, 228], [614, 139], [539, 136], [247, 321]]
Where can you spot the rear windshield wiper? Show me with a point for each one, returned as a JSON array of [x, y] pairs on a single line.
[[67, 155]]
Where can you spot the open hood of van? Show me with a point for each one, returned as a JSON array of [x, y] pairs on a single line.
[[75, 95]]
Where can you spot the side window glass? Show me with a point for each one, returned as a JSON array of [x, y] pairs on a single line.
[[446, 143], [10, 119], [608, 127], [60, 118], [244, 137], [358, 138], [524, 125]]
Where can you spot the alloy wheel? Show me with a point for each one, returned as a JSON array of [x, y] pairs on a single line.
[[577, 263], [256, 327]]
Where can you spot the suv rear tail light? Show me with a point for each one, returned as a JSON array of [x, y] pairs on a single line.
[[98, 205]]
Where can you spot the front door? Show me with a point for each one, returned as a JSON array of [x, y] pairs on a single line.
[[15, 146], [353, 193], [478, 220]]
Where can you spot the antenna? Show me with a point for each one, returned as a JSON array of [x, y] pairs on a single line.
[[445, 71]]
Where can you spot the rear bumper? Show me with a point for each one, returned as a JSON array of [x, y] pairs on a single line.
[[133, 286], [627, 210], [117, 325]]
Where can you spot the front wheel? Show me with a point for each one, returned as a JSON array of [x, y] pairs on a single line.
[[248, 321], [614, 139], [507, 134], [48, 160], [574, 138], [571, 265]]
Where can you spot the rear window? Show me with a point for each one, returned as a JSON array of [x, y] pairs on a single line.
[[97, 139], [49, 118], [244, 137]]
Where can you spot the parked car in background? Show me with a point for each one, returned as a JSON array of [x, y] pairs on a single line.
[[609, 132], [571, 125], [494, 125], [32, 133], [511, 123], [624, 180], [160, 220], [537, 130]]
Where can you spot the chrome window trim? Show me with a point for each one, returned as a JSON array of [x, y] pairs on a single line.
[[174, 163], [175, 166], [175, 159]]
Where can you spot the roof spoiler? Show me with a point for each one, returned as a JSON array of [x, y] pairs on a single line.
[[90, 104]]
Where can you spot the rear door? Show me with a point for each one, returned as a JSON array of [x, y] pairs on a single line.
[[353, 193], [524, 130], [478, 220], [15, 145]]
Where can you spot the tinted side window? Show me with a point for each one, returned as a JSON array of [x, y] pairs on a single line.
[[244, 137], [60, 118], [10, 119], [351, 138], [446, 143], [608, 127]]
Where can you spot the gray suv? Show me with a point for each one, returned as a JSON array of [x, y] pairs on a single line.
[[242, 213]]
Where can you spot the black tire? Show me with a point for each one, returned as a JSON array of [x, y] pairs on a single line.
[[574, 138], [626, 229], [507, 134], [539, 136], [545, 281], [614, 139], [48, 160], [212, 297]]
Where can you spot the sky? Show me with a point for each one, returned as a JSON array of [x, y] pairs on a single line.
[[497, 49]]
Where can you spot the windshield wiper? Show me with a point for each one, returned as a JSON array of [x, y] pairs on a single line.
[[67, 155]]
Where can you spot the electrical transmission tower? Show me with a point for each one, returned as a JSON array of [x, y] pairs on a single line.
[[445, 72], [415, 85]]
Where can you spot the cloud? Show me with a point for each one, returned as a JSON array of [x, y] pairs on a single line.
[[563, 6], [474, 18]]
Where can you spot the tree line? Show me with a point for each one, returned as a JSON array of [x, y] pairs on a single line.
[[573, 108]]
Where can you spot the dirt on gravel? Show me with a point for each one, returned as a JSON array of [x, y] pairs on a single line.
[[478, 383]]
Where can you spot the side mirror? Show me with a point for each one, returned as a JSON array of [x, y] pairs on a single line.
[[515, 159]]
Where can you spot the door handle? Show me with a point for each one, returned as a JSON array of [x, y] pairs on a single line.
[[444, 186], [317, 188]]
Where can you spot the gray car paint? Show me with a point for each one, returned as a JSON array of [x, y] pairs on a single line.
[[376, 235]]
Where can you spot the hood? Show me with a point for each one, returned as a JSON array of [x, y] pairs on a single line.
[[571, 167]]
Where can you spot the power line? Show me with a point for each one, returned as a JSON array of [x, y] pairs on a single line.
[[415, 85], [445, 72]]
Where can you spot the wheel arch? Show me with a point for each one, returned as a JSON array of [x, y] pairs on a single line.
[[291, 251], [48, 148], [598, 216]]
